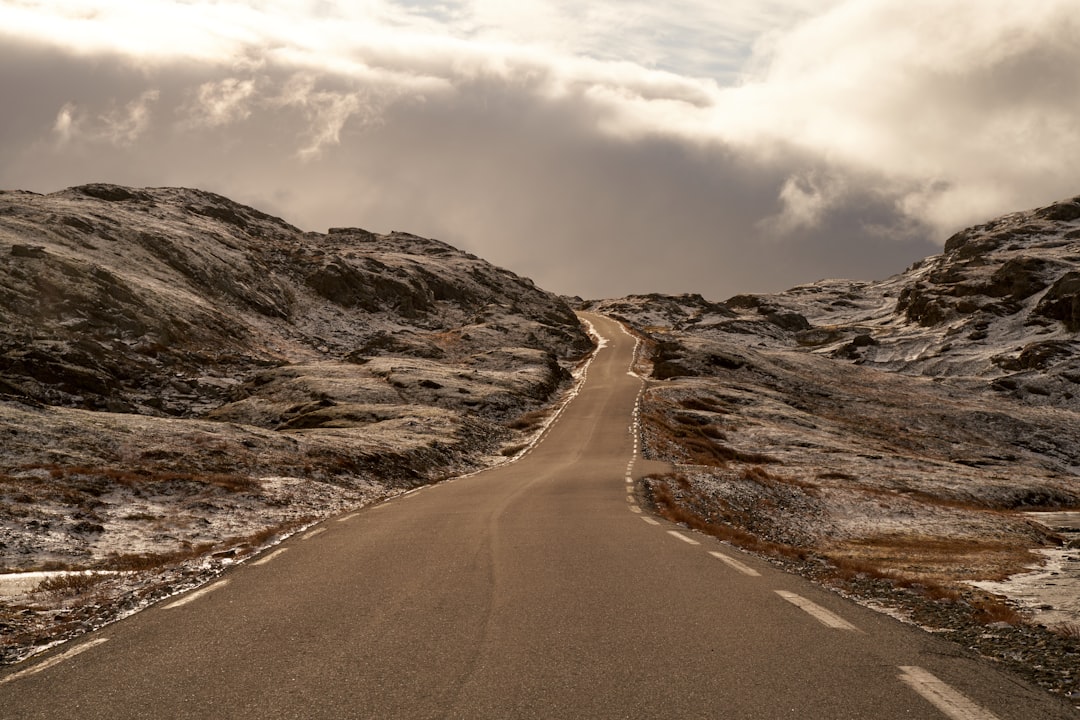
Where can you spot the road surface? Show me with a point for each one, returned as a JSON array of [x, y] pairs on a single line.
[[540, 589]]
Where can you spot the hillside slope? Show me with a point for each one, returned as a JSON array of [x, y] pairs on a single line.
[[898, 439], [183, 375]]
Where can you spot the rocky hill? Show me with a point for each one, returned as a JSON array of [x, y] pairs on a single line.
[[900, 439], [183, 375]]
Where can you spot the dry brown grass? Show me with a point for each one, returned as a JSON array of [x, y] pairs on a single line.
[[934, 559], [760, 475], [935, 567], [1067, 630], [90, 479], [529, 421], [663, 498], [932, 567], [240, 545], [700, 444], [70, 585], [702, 403], [991, 610]]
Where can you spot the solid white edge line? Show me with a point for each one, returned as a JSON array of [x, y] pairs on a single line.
[[949, 701], [348, 517], [313, 533], [55, 660], [823, 616], [735, 564], [196, 595], [676, 533]]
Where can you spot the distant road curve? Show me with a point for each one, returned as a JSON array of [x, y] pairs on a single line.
[[540, 589]]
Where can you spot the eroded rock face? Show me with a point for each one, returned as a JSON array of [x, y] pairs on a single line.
[[960, 376], [999, 309], [180, 371], [898, 427], [121, 297], [184, 378]]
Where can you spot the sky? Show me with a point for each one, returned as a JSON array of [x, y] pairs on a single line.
[[601, 148]]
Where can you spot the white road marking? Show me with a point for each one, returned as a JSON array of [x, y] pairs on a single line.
[[197, 594], [313, 533], [629, 490], [823, 616], [650, 521], [348, 517], [271, 556], [744, 569], [676, 533], [55, 660], [635, 509], [949, 701]]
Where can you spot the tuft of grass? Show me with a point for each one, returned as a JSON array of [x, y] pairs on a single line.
[[512, 450], [992, 610], [150, 561], [70, 585], [1067, 630], [529, 421]]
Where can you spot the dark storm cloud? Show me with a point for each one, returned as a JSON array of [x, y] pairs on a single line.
[[493, 166], [855, 147]]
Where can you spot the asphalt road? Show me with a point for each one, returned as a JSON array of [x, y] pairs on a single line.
[[536, 590]]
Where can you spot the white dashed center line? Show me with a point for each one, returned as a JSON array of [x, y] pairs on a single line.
[[313, 533], [651, 521], [823, 616], [55, 660], [348, 517], [197, 594], [744, 569], [271, 556], [949, 701], [676, 533]]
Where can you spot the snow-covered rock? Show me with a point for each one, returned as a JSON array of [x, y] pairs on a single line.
[[902, 425], [164, 350]]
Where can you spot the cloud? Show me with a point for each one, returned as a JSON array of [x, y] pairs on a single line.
[[221, 102], [598, 148], [805, 198], [968, 100], [118, 126]]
